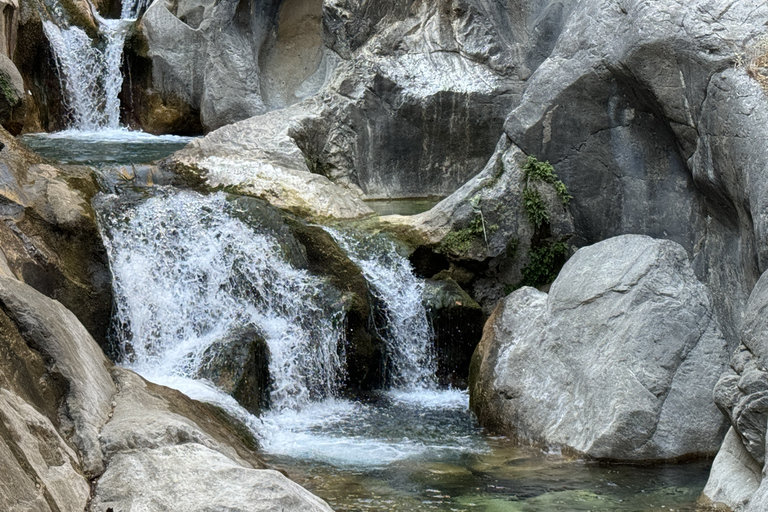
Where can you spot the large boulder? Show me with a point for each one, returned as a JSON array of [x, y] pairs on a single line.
[[617, 362], [49, 235], [238, 364], [653, 131], [258, 158], [736, 480], [12, 96]]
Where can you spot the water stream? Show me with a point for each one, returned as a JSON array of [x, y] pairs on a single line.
[[89, 72], [189, 269]]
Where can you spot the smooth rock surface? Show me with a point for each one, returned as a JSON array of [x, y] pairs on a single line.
[[57, 334], [617, 362], [257, 157], [193, 478]]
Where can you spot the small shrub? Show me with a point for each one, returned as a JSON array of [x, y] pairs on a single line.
[[462, 240], [537, 171], [545, 262], [534, 207]]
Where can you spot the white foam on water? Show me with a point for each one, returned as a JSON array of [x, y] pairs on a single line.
[[407, 333], [111, 135], [187, 273]]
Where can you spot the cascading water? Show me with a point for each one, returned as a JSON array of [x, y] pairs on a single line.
[[89, 74], [187, 273], [406, 329]]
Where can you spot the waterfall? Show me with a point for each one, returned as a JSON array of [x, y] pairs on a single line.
[[187, 271], [406, 329], [89, 74]]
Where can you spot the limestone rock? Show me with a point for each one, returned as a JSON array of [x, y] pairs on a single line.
[[191, 477], [12, 97], [57, 334], [741, 394], [257, 157], [49, 236], [271, 54], [735, 476], [617, 362], [40, 471]]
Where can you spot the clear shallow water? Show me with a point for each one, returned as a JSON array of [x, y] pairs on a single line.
[[401, 206], [112, 147]]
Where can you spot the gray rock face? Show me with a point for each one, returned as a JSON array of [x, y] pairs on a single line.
[[741, 394], [735, 476], [270, 53], [617, 362], [12, 94], [40, 471], [491, 200], [650, 131], [49, 236], [412, 95], [191, 477], [239, 365], [57, 334]]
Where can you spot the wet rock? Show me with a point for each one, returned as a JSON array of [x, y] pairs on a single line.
[[61, 393], [457, 324], [618, 361], [364, 347], [239, 365], [12, 97]]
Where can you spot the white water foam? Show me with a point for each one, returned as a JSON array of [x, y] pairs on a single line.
[[89, 73], [187, 273], [407, 331], [113, 135]]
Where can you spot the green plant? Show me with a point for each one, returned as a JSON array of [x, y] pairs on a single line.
[[543, 172], [534, 207], [462, 240], [544, 263]]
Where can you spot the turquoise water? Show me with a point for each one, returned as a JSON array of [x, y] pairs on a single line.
[[118, 147]]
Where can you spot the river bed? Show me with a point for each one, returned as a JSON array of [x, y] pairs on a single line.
[[415, 449]]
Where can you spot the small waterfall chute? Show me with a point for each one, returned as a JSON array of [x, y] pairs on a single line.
[[405, 329], [89, 72]]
